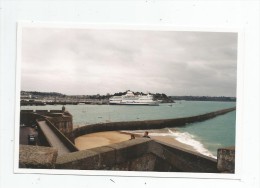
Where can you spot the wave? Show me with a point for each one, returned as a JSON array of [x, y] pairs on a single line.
[[186, 138], [183, 137]]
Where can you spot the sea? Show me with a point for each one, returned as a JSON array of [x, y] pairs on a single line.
[[205, 137]]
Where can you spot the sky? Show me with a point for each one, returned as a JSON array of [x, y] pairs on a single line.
[[84, 61]]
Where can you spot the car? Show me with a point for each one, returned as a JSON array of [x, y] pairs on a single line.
[[31, 139]]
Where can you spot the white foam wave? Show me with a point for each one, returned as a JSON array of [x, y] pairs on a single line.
[[188, 139], [182, 137]]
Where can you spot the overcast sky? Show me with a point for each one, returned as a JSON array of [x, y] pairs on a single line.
[[89, 61]]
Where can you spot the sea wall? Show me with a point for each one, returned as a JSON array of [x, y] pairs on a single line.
[[144, 125], [141, 154]]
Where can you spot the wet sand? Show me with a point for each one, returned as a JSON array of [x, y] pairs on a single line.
[[110, 137]]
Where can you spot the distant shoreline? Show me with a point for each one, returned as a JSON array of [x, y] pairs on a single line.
[[204, 98], [28, 97]]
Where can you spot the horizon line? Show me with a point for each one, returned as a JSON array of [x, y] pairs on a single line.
[[185, 95]]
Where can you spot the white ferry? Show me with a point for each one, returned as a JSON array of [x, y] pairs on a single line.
[[130, 99]]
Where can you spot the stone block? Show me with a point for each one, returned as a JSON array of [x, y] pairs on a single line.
[[37, 157], [184, 160], [131, 149], [143, 163], [81, 160], [226, 160], [107, 157]]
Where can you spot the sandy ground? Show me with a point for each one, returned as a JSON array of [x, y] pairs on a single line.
[[100, 139], [105, 138]]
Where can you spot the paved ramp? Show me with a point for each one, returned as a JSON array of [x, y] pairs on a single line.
[[53, 139]]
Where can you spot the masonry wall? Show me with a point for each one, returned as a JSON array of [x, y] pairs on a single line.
[[27, 117], [61, 120], [184, 160], [141, 154], [37, 157]]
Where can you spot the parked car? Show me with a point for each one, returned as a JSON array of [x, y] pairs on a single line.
[[31, 139]]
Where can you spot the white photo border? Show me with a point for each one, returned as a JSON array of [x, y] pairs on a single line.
[[239, 102]]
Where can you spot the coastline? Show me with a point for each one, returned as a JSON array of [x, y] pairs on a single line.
[[110, 137]]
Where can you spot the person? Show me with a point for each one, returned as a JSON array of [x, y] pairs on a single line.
[[132, 137], [63, 108], [146, 134]]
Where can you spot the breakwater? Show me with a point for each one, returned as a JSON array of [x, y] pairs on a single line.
[[145, 125]]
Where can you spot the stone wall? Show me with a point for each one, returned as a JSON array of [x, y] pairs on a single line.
[[27, 117], [184, 160], [226, 160], [63, 121], [61, 136], [37, 157], [104, 157], [141, 154], [42, 138], [64, 124]]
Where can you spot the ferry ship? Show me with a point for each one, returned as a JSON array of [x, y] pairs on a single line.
[[130, 99]]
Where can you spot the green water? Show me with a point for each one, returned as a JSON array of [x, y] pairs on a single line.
[[214, 133]]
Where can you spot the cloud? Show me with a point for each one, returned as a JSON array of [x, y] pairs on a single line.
[[88, 61]]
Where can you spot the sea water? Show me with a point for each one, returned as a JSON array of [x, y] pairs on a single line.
[[205, 137]]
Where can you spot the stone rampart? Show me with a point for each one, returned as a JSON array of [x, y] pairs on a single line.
[[184, 160], [226, 160], [28, 117], [56, 111], [103, 157], [37, 157], [61, 136], [42, 138], [141, 154]]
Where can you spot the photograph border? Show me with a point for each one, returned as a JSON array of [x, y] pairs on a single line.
[[239, 102]]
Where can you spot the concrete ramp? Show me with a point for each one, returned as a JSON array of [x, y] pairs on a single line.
[[53, 138]]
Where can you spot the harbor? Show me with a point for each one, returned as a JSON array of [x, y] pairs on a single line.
[[58, 124]]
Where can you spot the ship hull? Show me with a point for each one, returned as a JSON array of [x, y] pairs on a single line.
[[136, 104]]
